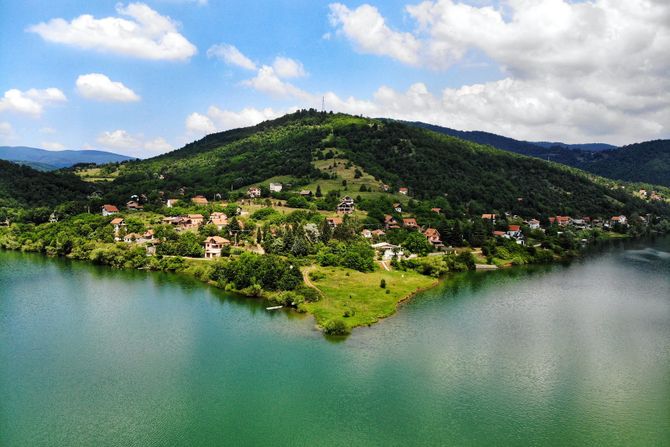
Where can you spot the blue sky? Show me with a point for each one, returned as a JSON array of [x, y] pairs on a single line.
[[540, 70]]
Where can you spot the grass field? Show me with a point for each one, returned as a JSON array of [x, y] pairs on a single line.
[[95, 175], [360, 296]]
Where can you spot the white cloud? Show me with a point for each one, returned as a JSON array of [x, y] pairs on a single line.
[[231, 55], [52, 145], [199, 124], [6, 130], [47, 130], [99, 87], [594, 70], [158, 145], [118, 139], [126, 143], [285, 67], [267, 81], [367, 29], [30, 102], [146, 34]]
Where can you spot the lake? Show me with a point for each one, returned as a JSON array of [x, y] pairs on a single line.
[[574, 354]]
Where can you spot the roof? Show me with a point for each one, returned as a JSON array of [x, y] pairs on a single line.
[[431, 232], [116, 221], [195, 216], [110, 208], [533, 221], [217, 240], [488, 216], [335, 220], [305, 192], [409, 221], [499, 233], [378, 232], [513, 228], [402, 189], [436, 210], [199, 199]]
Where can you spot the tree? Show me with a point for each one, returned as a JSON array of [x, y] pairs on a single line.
[[318, 191], [417, 243]]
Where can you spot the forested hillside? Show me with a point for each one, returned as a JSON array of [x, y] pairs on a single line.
[[469, 176], [647, 162], [25, 187]]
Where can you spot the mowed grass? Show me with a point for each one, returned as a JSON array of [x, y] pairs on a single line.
[[95, 175], [360, 296]]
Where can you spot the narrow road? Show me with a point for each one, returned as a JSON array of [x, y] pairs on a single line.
[[308, 282]]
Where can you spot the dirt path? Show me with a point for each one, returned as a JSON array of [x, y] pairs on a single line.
[[308, 282]]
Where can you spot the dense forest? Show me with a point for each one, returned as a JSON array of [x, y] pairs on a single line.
[[647, 162], [474, 177], [22, 186]]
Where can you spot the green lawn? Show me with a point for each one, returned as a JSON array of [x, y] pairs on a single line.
[[360, 295]]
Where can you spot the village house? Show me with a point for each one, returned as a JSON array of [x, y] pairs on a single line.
[[275, 187], [196, 219], [253, 192], [385, 187], [378, 233], [403, 191], [622, 220], [491, 217], [497, 233], [436, 210], [390, 223], [433, 237], [397, 207], [108, 210], [117, 223], [386, 251], [199, 200], [218, 219], [561, 221], [410, 223], [334, 221], [367, 234], [655, 196], [214, 245], [514, 231], [171, 202], [133, 205], [306, 193], [346, 205], [580, 223], [131, 237], [534, 224]]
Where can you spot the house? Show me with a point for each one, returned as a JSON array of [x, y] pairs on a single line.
[[253, 192], [171, 202], [385, 187], [118, 223], [580, 223], [218, 219], [622, 220], [196, 219], [133, 205], [403, 191], [397, 207], [275, 187], [534, 224], [306, 193], [436, 210], [491, 217], [514, 231], [214, 245], [199, 200], [346, 205], [562, 221], [433, 237], [378, 233], [131, 237], [390, 223], [500, 234], [410, 223], [387, 251], [367, 234], [334, 221], [108, 210]]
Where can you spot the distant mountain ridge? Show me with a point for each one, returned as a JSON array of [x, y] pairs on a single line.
[[646, 162], [45, 160]]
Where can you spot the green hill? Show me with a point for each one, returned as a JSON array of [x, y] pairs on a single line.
[[22, 186], [471, 178]]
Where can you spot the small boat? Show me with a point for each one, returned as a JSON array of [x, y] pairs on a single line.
[[273, 307]]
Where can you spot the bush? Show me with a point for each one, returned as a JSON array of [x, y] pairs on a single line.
[[336, 327], [382, 283]]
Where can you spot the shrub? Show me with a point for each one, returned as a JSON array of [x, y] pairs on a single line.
[[336, 327], [382, 283]]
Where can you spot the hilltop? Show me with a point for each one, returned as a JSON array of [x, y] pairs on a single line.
[[44, 160], [646, 162], [465, 177]]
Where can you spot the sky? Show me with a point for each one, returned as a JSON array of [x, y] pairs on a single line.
[[143, 78]]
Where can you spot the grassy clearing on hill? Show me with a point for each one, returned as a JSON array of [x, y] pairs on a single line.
[[362, 299]]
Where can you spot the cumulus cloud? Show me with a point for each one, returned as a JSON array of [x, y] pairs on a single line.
[[144, 34], [589, 70], [200, 124], [285, 67], [367, 29], [30, 102], [6, 130], [135, 145], [267, 81], [98, 87], [218, 120], [231, 55]]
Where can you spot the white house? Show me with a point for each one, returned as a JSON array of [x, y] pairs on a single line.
[[275, 187], [108, 210], [388, 251], [254, 192], [214, 245]]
